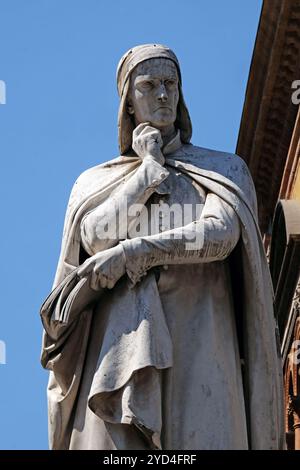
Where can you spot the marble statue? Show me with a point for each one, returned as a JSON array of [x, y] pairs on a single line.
[[159, 332]]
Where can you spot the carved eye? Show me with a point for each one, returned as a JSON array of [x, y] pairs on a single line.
[[147, 84], [170, 82]]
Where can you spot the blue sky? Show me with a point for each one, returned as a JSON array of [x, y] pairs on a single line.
[[58, 60]]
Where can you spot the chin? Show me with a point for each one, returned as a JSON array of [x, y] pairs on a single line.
[[161, 123], [163, 118]]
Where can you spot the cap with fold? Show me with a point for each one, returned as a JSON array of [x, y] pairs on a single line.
[[127, 64]]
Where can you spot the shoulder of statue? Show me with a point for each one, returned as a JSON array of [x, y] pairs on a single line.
[[95, 178], [102, 173], [229, 165], [94, 172]]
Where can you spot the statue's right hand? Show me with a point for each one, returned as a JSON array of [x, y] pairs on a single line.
[[147, 142], [104, 268]]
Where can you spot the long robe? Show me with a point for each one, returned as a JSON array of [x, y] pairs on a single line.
[[156, 361]]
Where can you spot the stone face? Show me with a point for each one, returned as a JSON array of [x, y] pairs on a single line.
[[161, 267]]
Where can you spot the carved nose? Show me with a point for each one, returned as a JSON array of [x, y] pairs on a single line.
[[163, 96]]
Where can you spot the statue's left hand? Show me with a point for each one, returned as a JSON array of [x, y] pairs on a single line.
[[105, 268]]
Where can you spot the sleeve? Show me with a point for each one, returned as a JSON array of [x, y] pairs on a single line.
[[104, 226], [210, 238]]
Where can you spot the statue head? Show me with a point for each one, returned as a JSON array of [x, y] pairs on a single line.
[[149, 85]]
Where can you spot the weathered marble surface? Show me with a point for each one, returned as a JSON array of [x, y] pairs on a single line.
[[155, 360]]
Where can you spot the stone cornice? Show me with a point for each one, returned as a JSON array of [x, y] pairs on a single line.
[[269, 115], [292, 162]]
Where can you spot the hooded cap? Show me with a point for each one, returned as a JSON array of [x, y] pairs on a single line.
[[128, 62]]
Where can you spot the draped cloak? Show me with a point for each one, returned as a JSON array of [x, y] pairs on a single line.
[[132, 360]]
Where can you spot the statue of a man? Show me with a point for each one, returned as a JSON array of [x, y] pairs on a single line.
[[160, 331]]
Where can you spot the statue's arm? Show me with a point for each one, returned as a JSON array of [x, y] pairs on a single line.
[[103, 227], [211, 238]]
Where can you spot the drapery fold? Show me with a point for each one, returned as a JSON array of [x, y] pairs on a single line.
[[136, 343]]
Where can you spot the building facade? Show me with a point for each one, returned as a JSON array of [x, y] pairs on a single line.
[[269, 141]]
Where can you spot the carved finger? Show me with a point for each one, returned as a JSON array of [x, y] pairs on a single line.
[[94, 282], [110, 283], [103, 280], [138, 130], [85, 268], [149, 130]]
